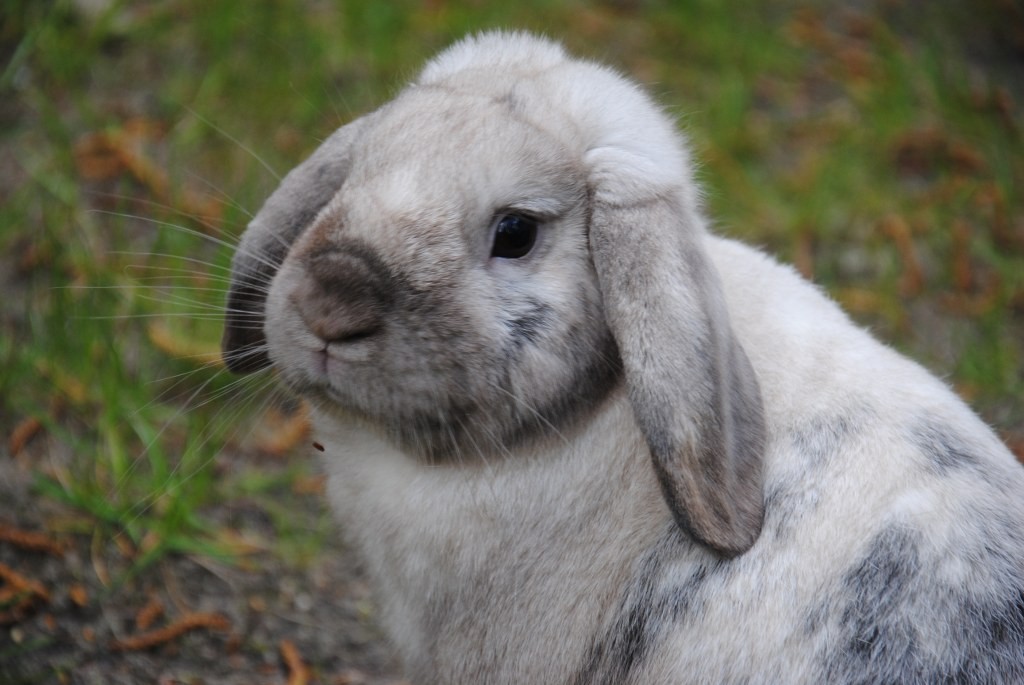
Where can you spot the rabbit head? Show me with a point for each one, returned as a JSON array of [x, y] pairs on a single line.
[[474, 267]]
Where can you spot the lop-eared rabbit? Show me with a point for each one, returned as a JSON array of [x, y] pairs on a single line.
[[578, 439]]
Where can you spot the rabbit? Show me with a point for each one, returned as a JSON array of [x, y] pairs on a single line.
[[577, 438]]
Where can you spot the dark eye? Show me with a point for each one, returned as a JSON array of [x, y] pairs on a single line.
[[514, 236]]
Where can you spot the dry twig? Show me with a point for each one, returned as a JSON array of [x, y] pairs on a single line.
[[149, 613], [160, 636], [22, 433], [298, 672], [18, 593], [36, 542]]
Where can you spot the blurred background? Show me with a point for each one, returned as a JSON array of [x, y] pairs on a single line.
[[875, 145]]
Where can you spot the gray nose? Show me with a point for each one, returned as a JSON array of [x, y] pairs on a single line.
[[343, 295]]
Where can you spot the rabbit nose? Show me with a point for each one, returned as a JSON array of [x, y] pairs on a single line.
[[343, 296]]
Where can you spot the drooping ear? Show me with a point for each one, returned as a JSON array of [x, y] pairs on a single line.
[[266, 241], [694, 393]]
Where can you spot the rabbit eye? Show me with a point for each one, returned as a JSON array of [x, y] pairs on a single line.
[[514, 236]]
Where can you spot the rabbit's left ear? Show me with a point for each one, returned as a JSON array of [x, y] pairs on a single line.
[[694, 393], [267, 239]]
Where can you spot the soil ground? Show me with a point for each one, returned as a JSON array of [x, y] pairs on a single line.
[[251, 610]]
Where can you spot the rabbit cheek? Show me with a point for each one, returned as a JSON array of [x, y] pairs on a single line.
[[559, 363], [527, 327]]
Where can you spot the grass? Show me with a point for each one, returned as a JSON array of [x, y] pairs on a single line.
[[880, 153]]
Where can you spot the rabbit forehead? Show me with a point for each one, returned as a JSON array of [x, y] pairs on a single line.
[[437, 157]]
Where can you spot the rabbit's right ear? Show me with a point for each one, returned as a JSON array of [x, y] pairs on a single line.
[[267, 239], [694, 393]]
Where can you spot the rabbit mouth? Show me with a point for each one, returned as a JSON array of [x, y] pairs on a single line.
[[354, 350], [443, 418]]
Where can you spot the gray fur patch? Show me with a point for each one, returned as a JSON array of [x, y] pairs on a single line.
[[823, 437], [812, 445], [646, 612], [879, 639], [894, 625], [989, 642], [945, 450], [876, 641], [527, 326]]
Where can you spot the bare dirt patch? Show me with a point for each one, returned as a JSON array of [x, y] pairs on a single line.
[[69, 614]]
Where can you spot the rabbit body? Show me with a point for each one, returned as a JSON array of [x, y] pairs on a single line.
[[638, 453], [891, 551]]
